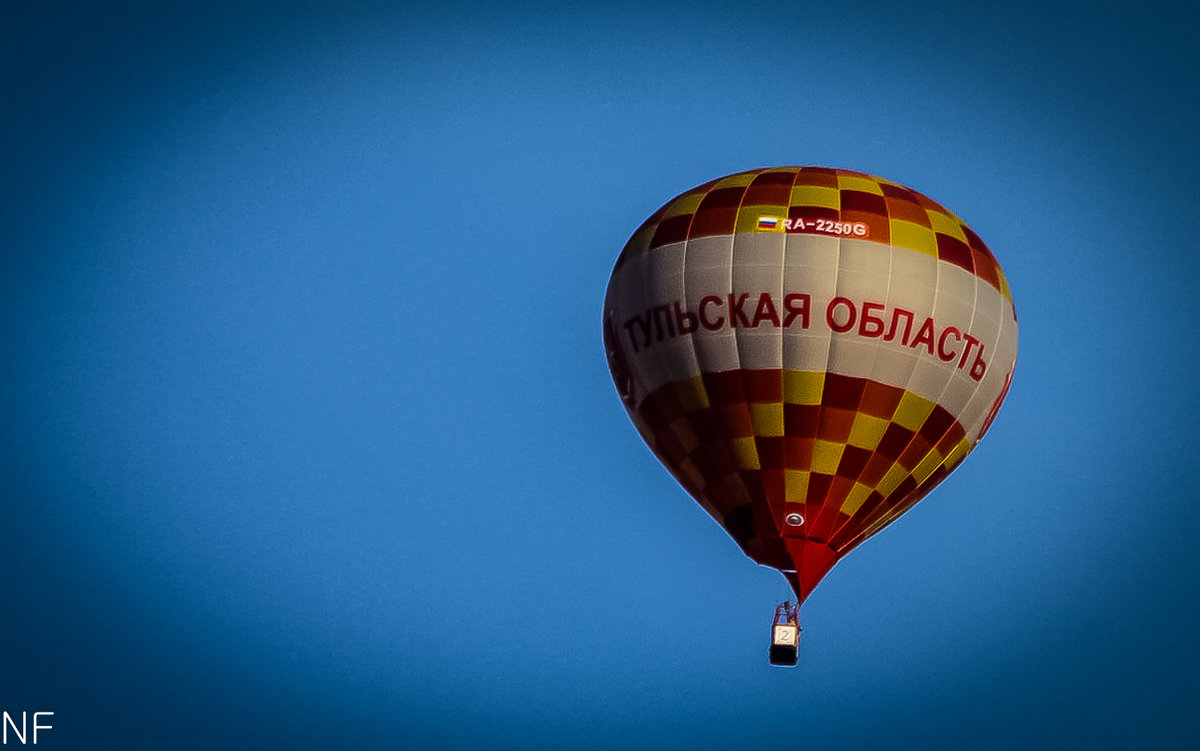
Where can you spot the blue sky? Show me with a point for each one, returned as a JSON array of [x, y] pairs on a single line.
[[308, 437]]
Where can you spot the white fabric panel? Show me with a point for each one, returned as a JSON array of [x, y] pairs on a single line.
[[956, 306], [1001, 362], [758, 261], [893, 364], [912, 286], [929, 376], [708, 272], [862, 276], [670, 358], [852, 356], [626, 293], [811, 266]]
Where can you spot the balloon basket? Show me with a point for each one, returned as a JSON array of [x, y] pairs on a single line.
[[785, 635]]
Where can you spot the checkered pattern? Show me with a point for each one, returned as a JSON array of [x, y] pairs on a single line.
[[848, 454], [896, 215]]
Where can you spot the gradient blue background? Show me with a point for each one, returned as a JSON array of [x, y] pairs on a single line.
[[308, 438]]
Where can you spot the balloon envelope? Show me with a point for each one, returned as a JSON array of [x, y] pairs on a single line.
[[809, 351]]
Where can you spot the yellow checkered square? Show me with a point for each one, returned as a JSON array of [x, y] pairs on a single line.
[[767, 419], [640, 242], [826, 455], [957, 453], [886, 518], [855, 498], [859, 183], [803, 386], [866, 431], [912, 236], [947, 225], [912, 411], [892, 480], [815, 195], [742, 178], [926, 466], [684, 205], [795, 485], [692, 394], [745, 452]]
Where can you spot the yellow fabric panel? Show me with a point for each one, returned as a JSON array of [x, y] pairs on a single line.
[[685, 205], [803, 386], [692, 394], [796, 485], [926, 466], [814, 195], [912, 411], [956, 455], [887, 518], [945, 224], [854, 500], [742, 178], [855, 182], [1004, 289], [826, 455], [867, 431], [892, 479], [640, 242], [767, 419], [912, 236], [745, 452]]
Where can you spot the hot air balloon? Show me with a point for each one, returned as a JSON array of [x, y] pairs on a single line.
[[808, 351]]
